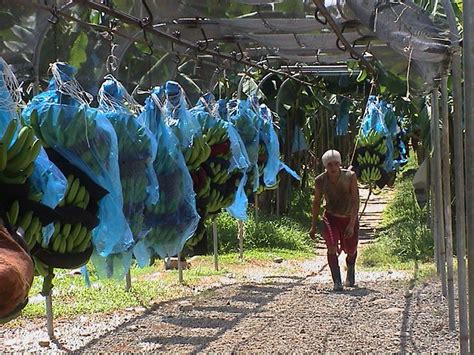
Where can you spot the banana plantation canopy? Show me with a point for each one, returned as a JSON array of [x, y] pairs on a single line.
[[288, 35]]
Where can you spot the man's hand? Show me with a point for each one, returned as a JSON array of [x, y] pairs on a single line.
[[312, 233], [349, 232]]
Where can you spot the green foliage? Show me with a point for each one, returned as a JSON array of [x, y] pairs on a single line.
[[286, 232], [78, 54], [405, 234]]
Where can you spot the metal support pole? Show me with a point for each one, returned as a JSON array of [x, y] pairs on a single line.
[[128, 281], [446, 179], [49, 314], [214, 237], [241, 240], [458, 144], [256, 208], [468, 45], [180, 269], [459, 185], [434, 225], [278, 201], [438, 192]]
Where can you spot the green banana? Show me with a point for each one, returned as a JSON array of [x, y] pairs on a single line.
[[13, 212], [25, 220], [19, 144], [71, 195]]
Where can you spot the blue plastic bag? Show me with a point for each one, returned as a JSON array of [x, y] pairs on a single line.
[[247, 123], [68, 125], [173, 218], [48, 180], [374, 120], [342, 123], [207, 113], [269, 137], [137, 151], [178, 117]]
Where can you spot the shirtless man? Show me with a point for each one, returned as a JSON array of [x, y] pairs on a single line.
[[340, 228]]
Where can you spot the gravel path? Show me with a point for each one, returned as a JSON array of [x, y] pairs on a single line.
[[386, 313], [271, 311]]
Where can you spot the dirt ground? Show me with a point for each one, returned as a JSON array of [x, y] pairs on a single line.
[[269, 310]]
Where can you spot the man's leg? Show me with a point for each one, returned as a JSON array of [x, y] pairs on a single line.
[[330, 236], [350, 277], [350, 248], [335, 270]]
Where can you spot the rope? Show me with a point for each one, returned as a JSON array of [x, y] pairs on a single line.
[[70, 87], [12, 98]]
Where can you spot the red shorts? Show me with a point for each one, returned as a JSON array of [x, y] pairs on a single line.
[[333, 233]]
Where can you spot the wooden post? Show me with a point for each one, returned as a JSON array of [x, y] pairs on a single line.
[[214, 237], [256, 208], [438, 191], [128, 281], [278, 201], [49, 314], [446, 179], [433, 225], [241, 240], [180, 269], [468, 57], [459, 183]]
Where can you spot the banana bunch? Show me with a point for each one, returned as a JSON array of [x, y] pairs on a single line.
[[249, 185], [216, 134], [218, 174], [162, 234], [370, 139], [217, 200], [78, 132], [17, 159], [262, 151], [370, 175], [41, 269], [165, 162], [198, 235], [201, 184], [197, 154], [134, 189], [163, 207], [30, 224], [368, 158], [133, 141], [221, 177], [68, 238], [381, 148], [76, 194]]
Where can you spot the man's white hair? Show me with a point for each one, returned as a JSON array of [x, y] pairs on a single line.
[[330, 156]]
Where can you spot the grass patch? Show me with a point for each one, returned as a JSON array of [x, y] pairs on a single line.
[[151, 284], [404, 235], [271, 232]]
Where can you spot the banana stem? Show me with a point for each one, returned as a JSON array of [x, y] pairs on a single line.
[[366, 202]]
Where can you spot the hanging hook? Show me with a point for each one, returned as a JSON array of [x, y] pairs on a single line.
[[149, 43], [176, 34], [203, 44], [55, 18], [339, 43], [149, 19], [317, 18], [241, 53]]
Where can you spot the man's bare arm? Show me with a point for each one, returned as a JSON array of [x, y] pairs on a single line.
[[316, 206], [354, 200]]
